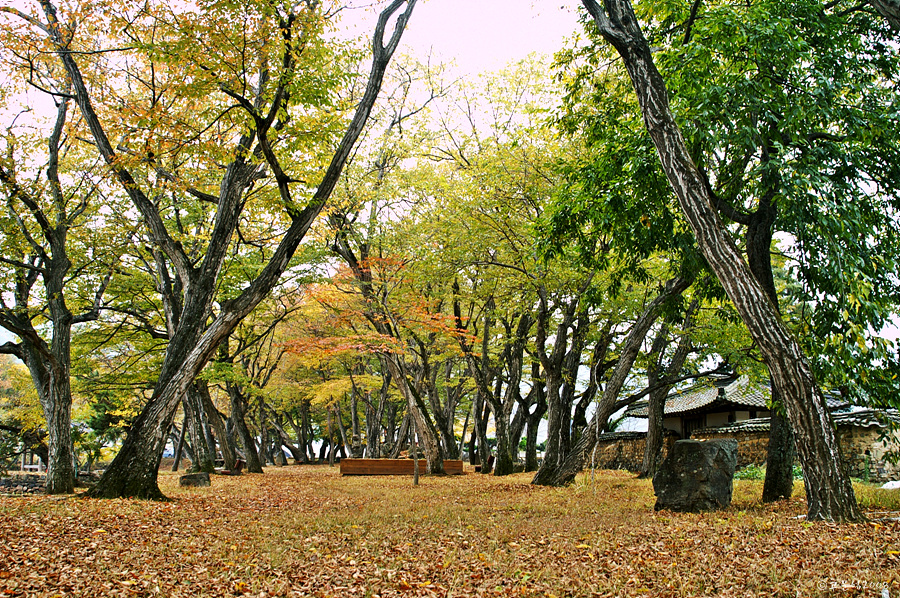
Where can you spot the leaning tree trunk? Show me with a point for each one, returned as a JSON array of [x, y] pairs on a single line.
[[828, 490]]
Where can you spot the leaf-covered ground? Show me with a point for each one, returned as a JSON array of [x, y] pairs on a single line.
[[305, 531]]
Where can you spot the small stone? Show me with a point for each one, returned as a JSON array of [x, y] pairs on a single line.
[[194, 480]]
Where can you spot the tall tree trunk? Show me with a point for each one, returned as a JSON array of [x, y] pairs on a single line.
[[356, 450], [462, 438], [533, 419], [263, 427], [779, 482], [656, 376], [61, 459], [516, 430], [828, 490], [655, 431], [285, 439], [481, 424], [330, 438], [430, 436], [340, 425], [531, 435], [400, 438], [49, 368], [239, 418], [229, 456], [202, 458], [305, 430], [179, 447], [555, 366]]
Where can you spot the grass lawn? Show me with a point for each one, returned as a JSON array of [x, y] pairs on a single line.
[[305, 531]]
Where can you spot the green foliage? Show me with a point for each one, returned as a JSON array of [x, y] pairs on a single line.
[[780, 102], [758, 472], [750, 472]]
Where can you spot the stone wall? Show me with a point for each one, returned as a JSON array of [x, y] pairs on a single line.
[[752, 446], [862, 448], [625, 450], [22, 484], [864, 453]]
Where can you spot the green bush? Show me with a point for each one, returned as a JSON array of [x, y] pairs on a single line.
[[750, 472], [757, 472]]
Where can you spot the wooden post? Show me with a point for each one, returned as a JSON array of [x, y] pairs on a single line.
[[415, 450]]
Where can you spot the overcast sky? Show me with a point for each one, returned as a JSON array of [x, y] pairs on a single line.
[[482, 35]]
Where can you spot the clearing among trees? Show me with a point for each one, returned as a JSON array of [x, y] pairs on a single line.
[[306, 531]]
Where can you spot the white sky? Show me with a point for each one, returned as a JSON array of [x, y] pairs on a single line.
[[481, 35]]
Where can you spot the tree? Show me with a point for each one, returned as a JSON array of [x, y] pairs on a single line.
[[21, 416], [829, 493], [254, 137], [657, 376], [60, 256]]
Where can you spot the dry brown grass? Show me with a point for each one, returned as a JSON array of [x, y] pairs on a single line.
[[305, 531]]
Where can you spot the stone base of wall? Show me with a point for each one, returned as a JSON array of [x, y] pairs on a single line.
[[752, 446], [865, 454], [22, 484], [625, 450]]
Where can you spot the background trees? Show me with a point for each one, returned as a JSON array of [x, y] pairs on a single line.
[[489, 271], [258, 116]]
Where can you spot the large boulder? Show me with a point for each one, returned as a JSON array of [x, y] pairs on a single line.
[[696, 476], [194, 480]]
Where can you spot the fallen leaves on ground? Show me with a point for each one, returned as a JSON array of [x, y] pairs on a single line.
[[305, 531]]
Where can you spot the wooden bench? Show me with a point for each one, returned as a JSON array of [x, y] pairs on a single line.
[[238, 467], [393, 466]]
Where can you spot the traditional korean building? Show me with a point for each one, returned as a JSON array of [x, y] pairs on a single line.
[[728, 400]]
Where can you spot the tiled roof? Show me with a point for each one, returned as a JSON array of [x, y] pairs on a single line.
[[866, 418], [740, 394]]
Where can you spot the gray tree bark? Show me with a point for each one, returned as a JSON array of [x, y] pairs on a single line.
[[133, 472], [565, 472], [47, 258], [829, 493]]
